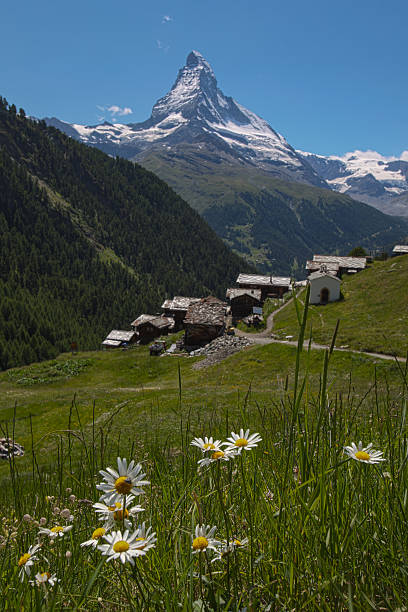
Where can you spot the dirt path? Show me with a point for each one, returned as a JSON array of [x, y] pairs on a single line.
[[264, 337]]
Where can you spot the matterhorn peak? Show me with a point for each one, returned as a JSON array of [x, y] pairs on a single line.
[[196, 59]]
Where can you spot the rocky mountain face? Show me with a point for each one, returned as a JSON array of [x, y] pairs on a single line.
[[271, 204], [195, 111], [366, 176]]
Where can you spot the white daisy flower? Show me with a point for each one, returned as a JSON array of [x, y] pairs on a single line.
[[125, 547], [96, 536], [27, 560], [217, 455], [145, 538], [118, 513], [55, 532], [45, 578], [203, 539], [207, 444], [226, 548], [242, 441], [366, 454], [128, 479]]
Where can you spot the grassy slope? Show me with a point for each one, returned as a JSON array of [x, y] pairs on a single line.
[[373, 314], [150, 387]]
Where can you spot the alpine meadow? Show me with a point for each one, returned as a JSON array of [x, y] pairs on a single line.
[[203, 336]]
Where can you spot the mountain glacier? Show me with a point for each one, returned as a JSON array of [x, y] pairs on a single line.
[[195, 114]]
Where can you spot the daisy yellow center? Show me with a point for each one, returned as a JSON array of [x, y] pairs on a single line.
[[23, 559], [208, 445], [98, 533], [57, 529], [46, 575], [120, 546], [118, 515], [200, 543], [123, 485], [241, 442], [217, 455], [237, 543], [140, 540], [362, 455]]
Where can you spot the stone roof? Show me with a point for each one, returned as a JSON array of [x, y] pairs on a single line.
[[114, 343], [235, 292], [142, 319], [120, 335], [267, 281], [315, 265], [323, 274], [358, 263], [162, 322], [179, 302], [400, 248], [208, 311]]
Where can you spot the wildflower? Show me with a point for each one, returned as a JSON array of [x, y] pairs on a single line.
[[123, 547], [206, 445], [43, 521], [145, 538], [96, 536], [203, 539], [242, 440], [55, 532], [45, 578], [27, 518], [128, 479], [118, 512], [366, 455], [217, 455], [66, 514], [68, 490], [226, 548], [68, 554], [27, 560]]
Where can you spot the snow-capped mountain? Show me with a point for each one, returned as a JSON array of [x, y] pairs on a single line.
[[366, 176], [196, 116], [197, 112]]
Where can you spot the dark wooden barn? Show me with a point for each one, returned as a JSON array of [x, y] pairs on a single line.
[[204, 321]]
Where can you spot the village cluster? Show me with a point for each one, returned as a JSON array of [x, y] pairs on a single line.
[[204, 319]]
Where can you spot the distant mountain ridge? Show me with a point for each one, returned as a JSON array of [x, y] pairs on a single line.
[[196, 111], [366, 176], [243, 177]]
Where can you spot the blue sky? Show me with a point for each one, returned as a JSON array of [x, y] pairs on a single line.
[[330, 76]]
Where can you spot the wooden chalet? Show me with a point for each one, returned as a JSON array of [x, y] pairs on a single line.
[[243, 301], [118, 338], [336, 264], [177, 309], [269, 286], [150, 327], [204, 321]]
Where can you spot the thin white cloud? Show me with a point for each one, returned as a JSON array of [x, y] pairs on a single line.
[[114, 110], [162, 46], [167, 19], [118, 110]]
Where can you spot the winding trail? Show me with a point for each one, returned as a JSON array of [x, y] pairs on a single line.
[[264, 337]]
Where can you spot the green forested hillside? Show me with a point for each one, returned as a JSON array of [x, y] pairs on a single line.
[[275, 224], [88, 242]]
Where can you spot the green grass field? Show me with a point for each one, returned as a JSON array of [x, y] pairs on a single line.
[[318, 530], [373, 313]]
